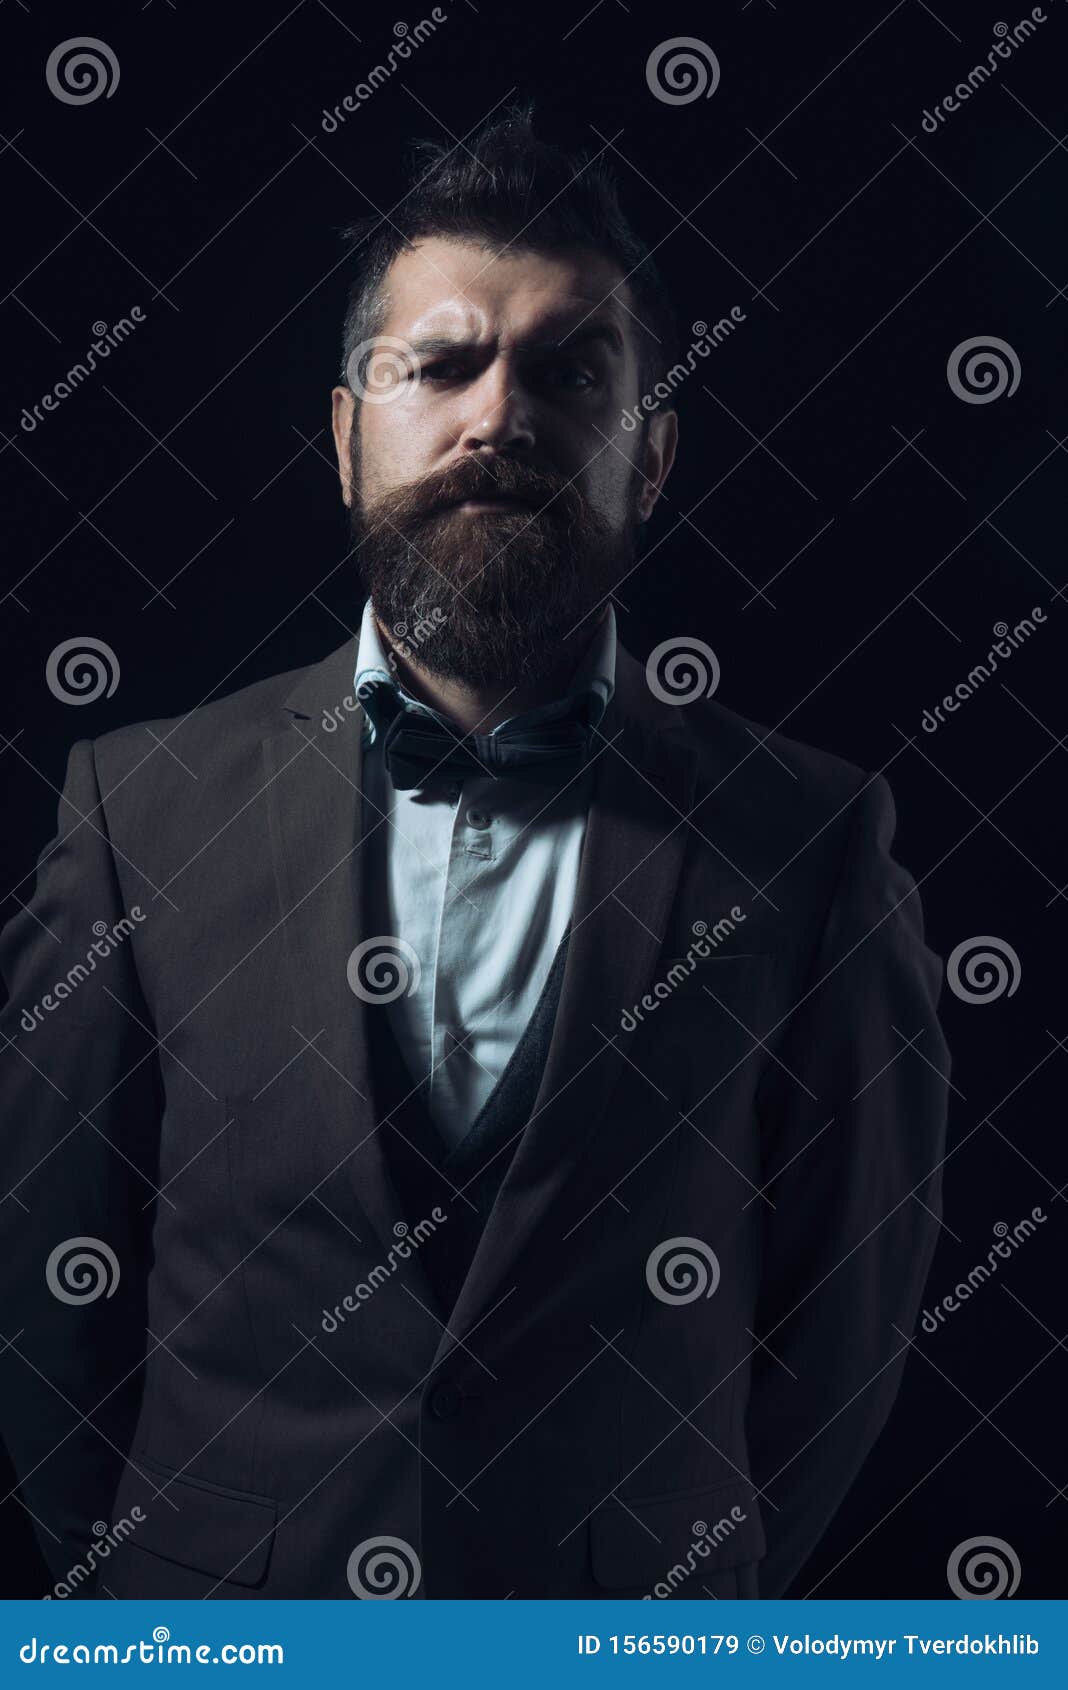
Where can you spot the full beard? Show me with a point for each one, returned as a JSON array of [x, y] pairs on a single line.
[[499, 596]]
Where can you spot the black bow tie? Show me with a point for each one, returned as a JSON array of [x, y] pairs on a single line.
[[415, 745]]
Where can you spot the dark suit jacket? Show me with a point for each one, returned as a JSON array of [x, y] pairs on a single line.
[[199, 1101]]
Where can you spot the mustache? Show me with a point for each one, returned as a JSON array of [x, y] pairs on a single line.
[[506, 478]]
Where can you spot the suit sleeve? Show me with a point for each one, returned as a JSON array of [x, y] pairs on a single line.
[[849, 1241], [78, 1155]]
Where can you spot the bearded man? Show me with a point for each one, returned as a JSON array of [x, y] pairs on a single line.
[[502, 1157]]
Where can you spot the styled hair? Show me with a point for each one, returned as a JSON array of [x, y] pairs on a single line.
[[504, 186]]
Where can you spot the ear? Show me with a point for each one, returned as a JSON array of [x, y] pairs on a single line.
[[658, 455], [343, 421]]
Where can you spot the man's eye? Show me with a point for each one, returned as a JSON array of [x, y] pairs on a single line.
[[444, 370], [571, 376]]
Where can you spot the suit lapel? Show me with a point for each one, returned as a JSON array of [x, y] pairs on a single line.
[[318, 821]]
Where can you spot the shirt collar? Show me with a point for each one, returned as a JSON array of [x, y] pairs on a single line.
[[595, 675]]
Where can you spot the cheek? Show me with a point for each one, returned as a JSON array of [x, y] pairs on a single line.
[[394, 446], [611, 491]]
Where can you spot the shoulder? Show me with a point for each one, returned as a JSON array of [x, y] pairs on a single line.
[[215, 746], [735, 747], [758, 765], [787, 816], [788, 809]]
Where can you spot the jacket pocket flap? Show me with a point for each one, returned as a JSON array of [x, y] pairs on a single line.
[[663, 1540], [212, 1529]]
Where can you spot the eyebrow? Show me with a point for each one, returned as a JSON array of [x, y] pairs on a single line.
[[603, 332]]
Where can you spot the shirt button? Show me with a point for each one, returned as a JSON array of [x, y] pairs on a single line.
[[478, 818], [446, 1401]]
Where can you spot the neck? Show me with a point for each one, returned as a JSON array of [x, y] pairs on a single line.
[[479, 709]]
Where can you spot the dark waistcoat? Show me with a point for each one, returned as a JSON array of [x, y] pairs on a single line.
[[463, 1180]]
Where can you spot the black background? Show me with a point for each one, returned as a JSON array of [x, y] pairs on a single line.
[[181, 506]]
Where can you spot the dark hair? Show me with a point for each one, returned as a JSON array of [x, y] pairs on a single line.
[[505, 186]]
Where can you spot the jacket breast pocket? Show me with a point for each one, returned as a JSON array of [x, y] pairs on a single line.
[[678, 1543], [701, 1024], [225, 1533]]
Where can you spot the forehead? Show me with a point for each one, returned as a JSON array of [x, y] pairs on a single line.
[[461, 287]]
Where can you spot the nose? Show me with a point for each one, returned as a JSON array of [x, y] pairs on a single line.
[[500, 414]]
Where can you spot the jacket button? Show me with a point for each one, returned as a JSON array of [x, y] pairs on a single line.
[[446, 1400]]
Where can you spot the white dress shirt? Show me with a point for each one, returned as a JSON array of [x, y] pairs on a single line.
[[478, 876]]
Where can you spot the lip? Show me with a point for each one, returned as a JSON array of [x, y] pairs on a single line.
[[503, 502]]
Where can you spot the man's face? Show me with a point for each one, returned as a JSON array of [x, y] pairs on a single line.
[[490, 483]]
